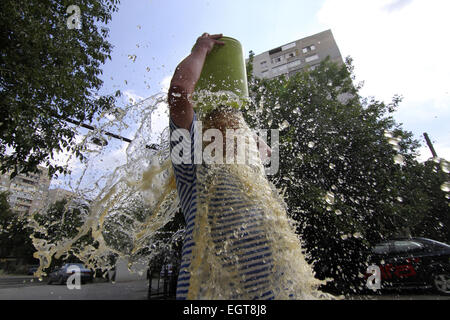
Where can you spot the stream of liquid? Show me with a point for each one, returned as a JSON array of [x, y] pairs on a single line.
[[138, 198]]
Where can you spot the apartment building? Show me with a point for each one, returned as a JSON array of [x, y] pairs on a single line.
[[27, 193], [293, 57]]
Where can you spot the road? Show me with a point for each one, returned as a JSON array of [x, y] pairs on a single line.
[[29, 288]]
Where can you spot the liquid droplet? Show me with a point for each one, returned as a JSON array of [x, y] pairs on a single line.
[[311, 144], [329, 197], [284, 125], [338, 212], [445, 166], [445, 186], [398, 159], [357, 235], [132, 57], [393, 141]]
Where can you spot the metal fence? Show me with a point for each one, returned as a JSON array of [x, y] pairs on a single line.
[[162, 285]]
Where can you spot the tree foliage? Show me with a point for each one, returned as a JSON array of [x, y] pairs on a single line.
[[14, 235], [61, 222], [49, 73], [348, 169]]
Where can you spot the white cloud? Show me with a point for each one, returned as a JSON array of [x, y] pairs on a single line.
[[399, 47], [403, 51], [165, 83], [396, 5]]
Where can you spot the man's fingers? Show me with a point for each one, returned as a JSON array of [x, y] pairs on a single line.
[[216, 36], [213, 37]]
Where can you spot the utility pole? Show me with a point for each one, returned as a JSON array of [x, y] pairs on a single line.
[[430, 145], [113, 135]]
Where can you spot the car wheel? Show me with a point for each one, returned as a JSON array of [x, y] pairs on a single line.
[[441, 283]]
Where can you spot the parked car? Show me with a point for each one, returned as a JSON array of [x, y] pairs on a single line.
[[61, 274], [413, 263]]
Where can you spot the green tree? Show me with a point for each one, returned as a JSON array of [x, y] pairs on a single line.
[[249, 66], [49, 73], [426, 195], [346, 166], [61, 220]]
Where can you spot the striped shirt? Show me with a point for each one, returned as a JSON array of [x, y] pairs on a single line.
[[234, 222]]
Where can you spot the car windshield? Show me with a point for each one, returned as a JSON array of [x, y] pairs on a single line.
[[407, 246], [381, 248]]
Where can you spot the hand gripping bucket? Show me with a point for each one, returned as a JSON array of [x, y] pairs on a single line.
[[223, 80]]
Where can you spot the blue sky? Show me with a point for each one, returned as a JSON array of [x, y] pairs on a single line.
[[398, 47], [166, 30]]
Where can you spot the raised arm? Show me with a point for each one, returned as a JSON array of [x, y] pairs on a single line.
[[185, 78]]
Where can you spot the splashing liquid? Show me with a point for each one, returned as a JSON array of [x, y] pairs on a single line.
[[135, 201], [245, 244]]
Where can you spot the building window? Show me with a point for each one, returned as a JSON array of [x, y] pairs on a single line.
[[277, 59], [290, 55], [24, 200], [263, 62], [28, 181], [312, 58], [309, 48], [273, 51], [264, 71]]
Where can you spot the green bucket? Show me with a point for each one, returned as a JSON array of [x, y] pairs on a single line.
[[223, 80]]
